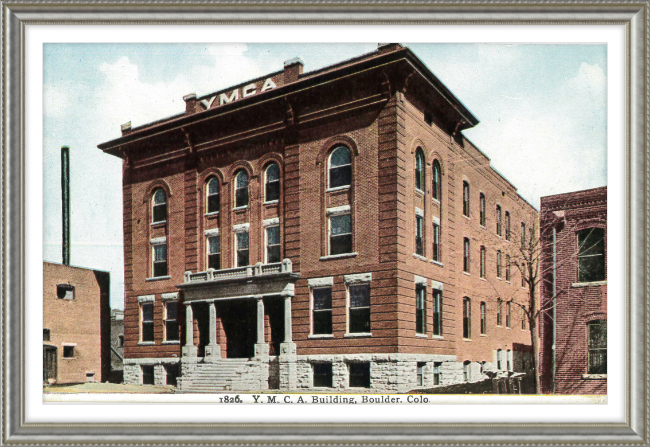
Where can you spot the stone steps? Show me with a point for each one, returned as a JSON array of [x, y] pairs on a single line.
[[222, 376]]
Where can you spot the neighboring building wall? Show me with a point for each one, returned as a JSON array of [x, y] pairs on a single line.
[[578, 303], [82, 323], [117, 345]]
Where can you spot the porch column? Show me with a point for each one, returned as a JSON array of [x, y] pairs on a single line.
[[189, 350], [288, 357], [213, 350], [261, 347], [287, 319]]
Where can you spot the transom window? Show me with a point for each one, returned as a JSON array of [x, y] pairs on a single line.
[[340, 169], [597, 347], [242, 249], [241, 189], [272, 183], [213, 195], [214, 252], [359, 312], [340, 234], [419, 169], [436, 190], [159, 206], [322, 310], [591, 255], [273, 244]]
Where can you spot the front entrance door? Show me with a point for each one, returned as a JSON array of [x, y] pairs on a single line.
[[49, 363], [239, 321]]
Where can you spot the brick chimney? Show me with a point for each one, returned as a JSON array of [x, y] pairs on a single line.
[[293, 69], [190, 103], [388, 47], [126, 128]]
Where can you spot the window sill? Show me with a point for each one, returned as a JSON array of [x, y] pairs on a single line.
[[467, 339], [146, 343], [320, 336], [420, 257], [483, 335], [436, 201], [499, 278], [212, 214], [437, 337], [483, 279], [421, 335], [419, 191], [594, 376], [158, 278], [338, 188], [508, 282], [341, 256], [483, 226], [588, 284], [240, 208], [172, 342], [69, 358], [358, 335], [162, 223], [467, 273], [271, 202], [466, 217], [439, 264]]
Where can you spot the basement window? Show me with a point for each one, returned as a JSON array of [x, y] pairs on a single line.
[[147, 375], [65, 291], [322, 375], [360, 375]]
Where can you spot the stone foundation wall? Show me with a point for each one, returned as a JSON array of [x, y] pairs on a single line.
[[133, 370]]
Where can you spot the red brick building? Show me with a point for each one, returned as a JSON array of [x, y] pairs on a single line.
[[76, 324], [574, 227], [330, 229]]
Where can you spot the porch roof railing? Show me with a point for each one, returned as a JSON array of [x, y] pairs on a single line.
[[251, 271]]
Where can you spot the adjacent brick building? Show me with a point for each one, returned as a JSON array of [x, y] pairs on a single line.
[[579, 364], [76, 324], [330, 229]]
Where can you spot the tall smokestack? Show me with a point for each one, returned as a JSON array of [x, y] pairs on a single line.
[[65, 198]]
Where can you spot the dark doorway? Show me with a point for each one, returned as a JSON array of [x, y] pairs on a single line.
[[239, 320], [171, 371], [274, 308], [49, 363], [202, 317]]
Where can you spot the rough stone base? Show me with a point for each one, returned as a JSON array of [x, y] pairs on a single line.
[[133, 370]]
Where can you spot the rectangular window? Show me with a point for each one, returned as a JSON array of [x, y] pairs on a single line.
[[466, 258], [147, 375], [523, 318], [591, 255], [360, 375], [436, 243], [597, 347], [322, 311], [146, 322], [340, 234], [507, 267], [466, 199], [65, 291], [508, 314], [46, 335], [467, 318], [483, 319], [436, 373], [507, 225], [171, 321], [483, 255], [498, 263], [419, 247], [68, 351], [420, 309], [322, 375], [523, 274], [273, 245], [242, 249], [499, 229], [499, 312], [359, 312], [214, 252], [482, 209], [466, 371], [437, 312], [523, 235], [420, 373], [159, 260]]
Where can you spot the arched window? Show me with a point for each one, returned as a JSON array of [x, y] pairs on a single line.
[[213, 195], [467, 375], [466, 198], [419, 169], [340, 167], [241, 189], [437, 183], [272, 181], [159, 206], [483, 318], [483, 259], [507, 225]]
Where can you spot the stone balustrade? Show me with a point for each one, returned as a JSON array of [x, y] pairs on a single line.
[[250, 271]]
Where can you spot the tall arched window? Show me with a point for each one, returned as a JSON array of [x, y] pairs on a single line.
[[419, 169], [159, 206], [272, 180], [437, 182], [241, 189], [340, 167], [507, 225], [213, 195]]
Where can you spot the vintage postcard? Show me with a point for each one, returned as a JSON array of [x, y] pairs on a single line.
[[370, 222]]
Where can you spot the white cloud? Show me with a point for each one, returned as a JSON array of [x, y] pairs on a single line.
[[57, 100]]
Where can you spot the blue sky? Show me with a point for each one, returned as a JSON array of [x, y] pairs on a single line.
[[542, 108]]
